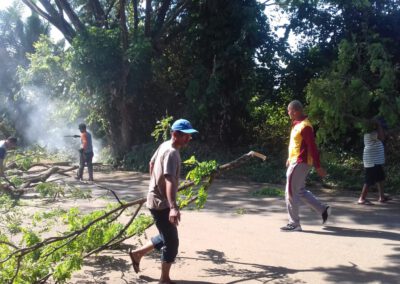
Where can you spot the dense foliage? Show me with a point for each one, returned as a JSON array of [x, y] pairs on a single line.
[[34, 259], [128, 65], [125, 64], [363, 81]]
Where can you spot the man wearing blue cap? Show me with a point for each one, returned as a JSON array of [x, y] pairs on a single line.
[[161, 199]]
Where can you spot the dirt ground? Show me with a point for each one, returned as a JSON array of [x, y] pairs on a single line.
[[236, 239]]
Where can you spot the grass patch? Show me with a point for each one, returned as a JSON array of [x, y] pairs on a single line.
[[269, 192], [240, 211]]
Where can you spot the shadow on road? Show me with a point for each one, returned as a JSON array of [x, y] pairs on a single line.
[[357, 233], [247, 272], [147, 279]]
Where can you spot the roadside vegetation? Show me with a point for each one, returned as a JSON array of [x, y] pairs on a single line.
[[129, 68]]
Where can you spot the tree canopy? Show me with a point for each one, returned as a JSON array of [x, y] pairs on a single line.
[[133, 60], [220, 64]]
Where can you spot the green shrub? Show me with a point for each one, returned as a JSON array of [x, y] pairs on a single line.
[[105, 156], [269, 192], [138, 159]]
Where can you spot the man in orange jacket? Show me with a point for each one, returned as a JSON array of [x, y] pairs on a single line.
[[303, 154]]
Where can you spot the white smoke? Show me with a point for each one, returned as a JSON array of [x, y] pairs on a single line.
[[48, 127]]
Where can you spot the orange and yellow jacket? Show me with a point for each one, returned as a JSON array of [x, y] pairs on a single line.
[[302, 147]]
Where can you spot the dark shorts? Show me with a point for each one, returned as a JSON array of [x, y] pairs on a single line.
[[374, 175], [167, 241]]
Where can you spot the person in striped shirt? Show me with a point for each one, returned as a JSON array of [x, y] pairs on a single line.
[[303, 154], [373, 160]]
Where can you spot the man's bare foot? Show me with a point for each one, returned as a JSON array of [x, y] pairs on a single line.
[[364, 202], [135, 261]]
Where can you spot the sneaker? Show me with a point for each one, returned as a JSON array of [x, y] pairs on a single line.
[[291, 228], [325, 215]]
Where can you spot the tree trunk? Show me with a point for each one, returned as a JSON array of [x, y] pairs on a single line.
[[147, 26], [135, 18], [119, 125]]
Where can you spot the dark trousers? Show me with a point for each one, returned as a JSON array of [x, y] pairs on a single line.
[[85, 159], [167, 241]]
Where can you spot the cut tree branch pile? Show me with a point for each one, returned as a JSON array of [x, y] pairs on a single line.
[[31, 177]]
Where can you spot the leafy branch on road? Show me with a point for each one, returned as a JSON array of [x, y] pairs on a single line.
[[36, 259]]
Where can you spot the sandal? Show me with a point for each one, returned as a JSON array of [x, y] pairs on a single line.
[[365, 202], [135, 264]]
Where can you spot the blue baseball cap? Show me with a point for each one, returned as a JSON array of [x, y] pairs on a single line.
[[184, 126]]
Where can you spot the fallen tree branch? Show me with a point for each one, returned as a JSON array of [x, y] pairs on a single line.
[[69, 237], [48, 241], [40, 178], [8, 181], [110, 190], [108, 244], [62, 172]]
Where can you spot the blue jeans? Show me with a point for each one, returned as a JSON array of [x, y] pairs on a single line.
[[167, 241]]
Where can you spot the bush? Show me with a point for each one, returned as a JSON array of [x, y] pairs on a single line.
[[138, 159], [345, 170], [105, 156], [271, 123]]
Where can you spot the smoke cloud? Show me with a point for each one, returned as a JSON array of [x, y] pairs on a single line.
[[42, 122]]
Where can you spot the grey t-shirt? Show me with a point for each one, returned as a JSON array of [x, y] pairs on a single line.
[[167, 161]]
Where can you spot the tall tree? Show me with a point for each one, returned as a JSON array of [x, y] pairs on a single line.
[[224, 45], [106, 53], [125, 56]]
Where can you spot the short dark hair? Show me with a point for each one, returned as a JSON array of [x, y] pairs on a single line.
[[12, 139], [82, 126]]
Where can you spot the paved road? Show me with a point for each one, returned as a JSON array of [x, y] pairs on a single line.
[[236, 239]]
